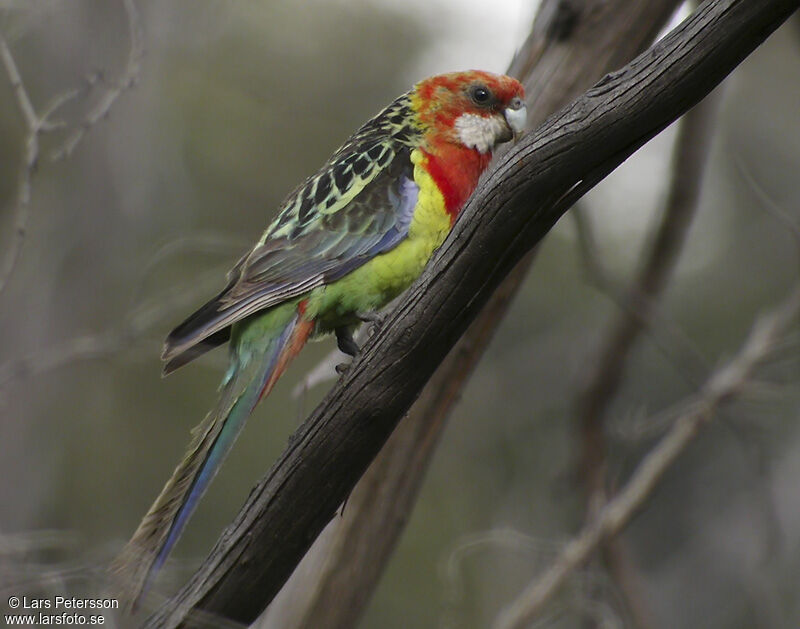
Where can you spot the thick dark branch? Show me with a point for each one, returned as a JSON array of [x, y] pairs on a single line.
[[530, 189], [333, 584]]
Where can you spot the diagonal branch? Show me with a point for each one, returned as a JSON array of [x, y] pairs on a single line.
[[721, 388], [531, 187], [336, 578]]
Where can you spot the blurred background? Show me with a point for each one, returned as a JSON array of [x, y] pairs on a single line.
[[234, 104]]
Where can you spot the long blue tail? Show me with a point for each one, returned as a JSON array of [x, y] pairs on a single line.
[[251, 376]]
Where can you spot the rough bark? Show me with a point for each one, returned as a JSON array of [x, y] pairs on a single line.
[[577, 42], [531, 187]]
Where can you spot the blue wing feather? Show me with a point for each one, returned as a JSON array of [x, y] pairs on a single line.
[[290, 261]]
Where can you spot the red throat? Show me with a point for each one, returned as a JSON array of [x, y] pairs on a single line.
[[455, 170]]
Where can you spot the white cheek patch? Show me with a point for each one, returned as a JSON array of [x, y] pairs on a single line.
[[516, 118], [479, 132]]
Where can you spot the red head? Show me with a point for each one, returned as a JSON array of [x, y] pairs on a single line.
[[463, 116], [473, 109]]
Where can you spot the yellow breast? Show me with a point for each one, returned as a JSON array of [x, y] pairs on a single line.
[[430, 221], [376, 283]]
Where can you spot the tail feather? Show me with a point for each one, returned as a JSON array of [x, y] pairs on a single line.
[[159, 531]]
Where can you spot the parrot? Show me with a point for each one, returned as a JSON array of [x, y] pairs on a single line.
[[345, 242]]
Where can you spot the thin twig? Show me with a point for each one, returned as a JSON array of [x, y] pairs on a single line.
[[76, 349], [722, 387], [30, 155], [35, 125], [126, 81], [785, 218], [132, 329], [20, 93], [57, 103]]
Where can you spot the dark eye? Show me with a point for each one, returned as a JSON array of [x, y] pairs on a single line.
[[480, 95]]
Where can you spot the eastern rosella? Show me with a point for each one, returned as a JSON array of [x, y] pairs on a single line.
[[346, 242]]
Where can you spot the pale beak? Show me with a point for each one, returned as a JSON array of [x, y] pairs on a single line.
[[516, 114]]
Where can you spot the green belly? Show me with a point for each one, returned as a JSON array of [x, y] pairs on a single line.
[[370, 287], [376, 283]]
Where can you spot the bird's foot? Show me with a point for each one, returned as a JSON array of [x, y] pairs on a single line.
[[347, 345], [346, 342], [373, 316]]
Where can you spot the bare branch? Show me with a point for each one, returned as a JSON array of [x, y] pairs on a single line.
[[722, 388], [512, 209], [57, 103], [30, 155], [79, 348], [37, 124], [785, 218], [129, 330], [126, 81], [20, 93]]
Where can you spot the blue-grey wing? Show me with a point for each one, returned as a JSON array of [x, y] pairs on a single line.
[[323, 233]]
